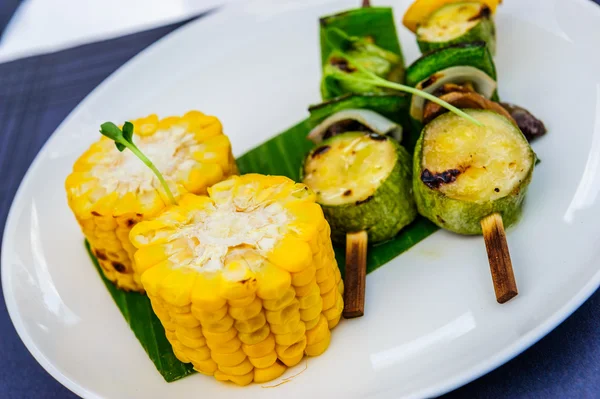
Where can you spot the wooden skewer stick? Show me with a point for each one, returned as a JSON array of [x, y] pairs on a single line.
[[503, 277], [356, 274], [366, 3]]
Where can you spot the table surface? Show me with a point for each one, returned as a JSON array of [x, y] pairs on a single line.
[[37, 93]]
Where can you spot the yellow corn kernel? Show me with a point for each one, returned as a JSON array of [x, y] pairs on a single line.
[[329, 298], [291, 351], [228, 359], [288, 327], [281, 302], [251, 325], [291, 338], [276, 370], [241, 380], [260, 349], [264, 361], [317, 333], [230, 346], [272, 282], [256, 336], [328, 284], [291, 254], [304, 277], [206, 316], [284, 315], [247, 312], [220, 326], [242, 302], [310, 324], [207, 367], [219, 337], [318, 348], [197, 355]]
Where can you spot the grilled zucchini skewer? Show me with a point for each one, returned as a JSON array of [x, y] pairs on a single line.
[[362, 180], [110, 191], [244, 280], [473, 179]]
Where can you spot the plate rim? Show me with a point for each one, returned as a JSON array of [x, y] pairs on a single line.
[[443, 386]]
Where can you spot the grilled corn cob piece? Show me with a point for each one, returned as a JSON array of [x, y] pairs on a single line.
[[110, 191], [244, 280]]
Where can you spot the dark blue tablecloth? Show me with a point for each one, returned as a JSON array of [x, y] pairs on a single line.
[[37, 93]]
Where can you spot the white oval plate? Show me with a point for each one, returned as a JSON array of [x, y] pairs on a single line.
[[432, 323]]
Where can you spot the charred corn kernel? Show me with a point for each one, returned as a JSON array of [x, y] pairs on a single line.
[[276, 370], [110, 191], [240, 277]]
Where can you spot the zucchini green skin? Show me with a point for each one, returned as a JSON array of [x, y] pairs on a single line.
[[375, 22], [484, 31], [393, 106], [464, 217], [382, 215], [474, 54]]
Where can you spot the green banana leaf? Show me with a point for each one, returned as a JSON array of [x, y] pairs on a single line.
[[281, 155]]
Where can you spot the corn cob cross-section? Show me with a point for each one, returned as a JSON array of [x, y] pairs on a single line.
[[110, 191], [244, 280]]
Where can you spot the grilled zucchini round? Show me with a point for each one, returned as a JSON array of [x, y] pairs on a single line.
[[363, 182], [463, 172]]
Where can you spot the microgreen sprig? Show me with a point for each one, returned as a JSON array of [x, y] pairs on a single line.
[[124, 139], [340, 41]]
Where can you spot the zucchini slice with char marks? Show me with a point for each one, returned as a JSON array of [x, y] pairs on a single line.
[[463, 173], [363, 182], [455, 23]]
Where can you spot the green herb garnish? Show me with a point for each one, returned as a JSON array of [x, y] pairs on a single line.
[[342, 43], [124, 139]]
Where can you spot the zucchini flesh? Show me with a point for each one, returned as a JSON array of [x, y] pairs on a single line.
[[349, 167], [457, 23], [450, 22], [484, 163]]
